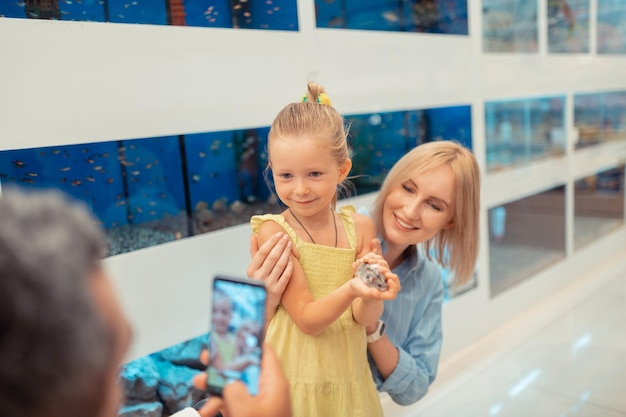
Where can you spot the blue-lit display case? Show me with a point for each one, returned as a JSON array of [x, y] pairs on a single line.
[[154, 190], [599, 117], [378, 140], [524, 130], [432, 16], [510, 26], [272, 15]]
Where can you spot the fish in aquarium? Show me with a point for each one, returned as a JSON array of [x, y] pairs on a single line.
[[18, 164]]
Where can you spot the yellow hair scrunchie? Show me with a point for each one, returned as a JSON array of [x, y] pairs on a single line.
[[321, 99]]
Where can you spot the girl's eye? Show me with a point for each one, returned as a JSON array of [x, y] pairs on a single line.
[[284, 176], [316, 174]]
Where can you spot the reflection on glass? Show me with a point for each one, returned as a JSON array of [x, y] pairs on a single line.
[[274, 14], [611, 27], [426, 16], [598, 205], [510, 26], [526, 236], [600, 117], [568, 25], [520, 131]]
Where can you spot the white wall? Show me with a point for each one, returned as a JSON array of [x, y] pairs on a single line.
[[76, 82]]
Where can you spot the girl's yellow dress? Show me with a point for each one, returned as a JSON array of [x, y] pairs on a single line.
[[226, 345], [328, 374]]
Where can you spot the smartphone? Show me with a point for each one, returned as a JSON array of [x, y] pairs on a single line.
[[236, 333]]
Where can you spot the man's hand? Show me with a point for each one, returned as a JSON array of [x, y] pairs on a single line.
[[272, 401], [273, 398]]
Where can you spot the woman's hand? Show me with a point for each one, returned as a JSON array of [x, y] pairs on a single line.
[[272, 264]]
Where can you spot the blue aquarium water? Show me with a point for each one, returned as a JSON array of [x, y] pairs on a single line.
[[378, 140], [430, 16], [269, 14]]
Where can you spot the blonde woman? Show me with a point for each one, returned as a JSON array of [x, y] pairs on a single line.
[[428, 204]]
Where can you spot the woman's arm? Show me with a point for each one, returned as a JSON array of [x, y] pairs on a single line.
[[407, 357], [311, 316]]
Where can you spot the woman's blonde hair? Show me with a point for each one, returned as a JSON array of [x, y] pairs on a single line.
[[315, 117], [456, 247]]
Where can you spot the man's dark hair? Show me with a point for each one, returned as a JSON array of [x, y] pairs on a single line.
[[55, 348]]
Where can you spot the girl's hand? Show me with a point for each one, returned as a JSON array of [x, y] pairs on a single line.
[[391, 279], [364, 291]]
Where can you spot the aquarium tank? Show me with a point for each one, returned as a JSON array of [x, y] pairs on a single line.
[[236, 14], [524, 130], [447, 17]]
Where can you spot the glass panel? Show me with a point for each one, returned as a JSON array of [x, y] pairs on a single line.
[[526, 236], [225, 175], [378, 140], [510, 26], [153, 195], [521, 131], [600, 117], [611, 27], [270, 14], [598, 205], [568, 26], [426, 16]]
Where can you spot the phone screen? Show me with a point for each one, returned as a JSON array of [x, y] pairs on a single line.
[[236, 334]]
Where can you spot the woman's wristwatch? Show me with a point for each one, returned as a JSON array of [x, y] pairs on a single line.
[[378, 333]]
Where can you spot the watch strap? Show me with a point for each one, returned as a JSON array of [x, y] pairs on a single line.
[[378, 333]]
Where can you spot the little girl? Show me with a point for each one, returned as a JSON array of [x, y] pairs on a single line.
[[223, 340], [318, 329]]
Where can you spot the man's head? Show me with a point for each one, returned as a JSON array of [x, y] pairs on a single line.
[[62, 333]]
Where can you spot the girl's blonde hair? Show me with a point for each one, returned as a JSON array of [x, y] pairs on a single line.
[[316, 118], [456, 247]]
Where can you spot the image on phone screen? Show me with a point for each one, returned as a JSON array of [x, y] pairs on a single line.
[[236, 334]]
